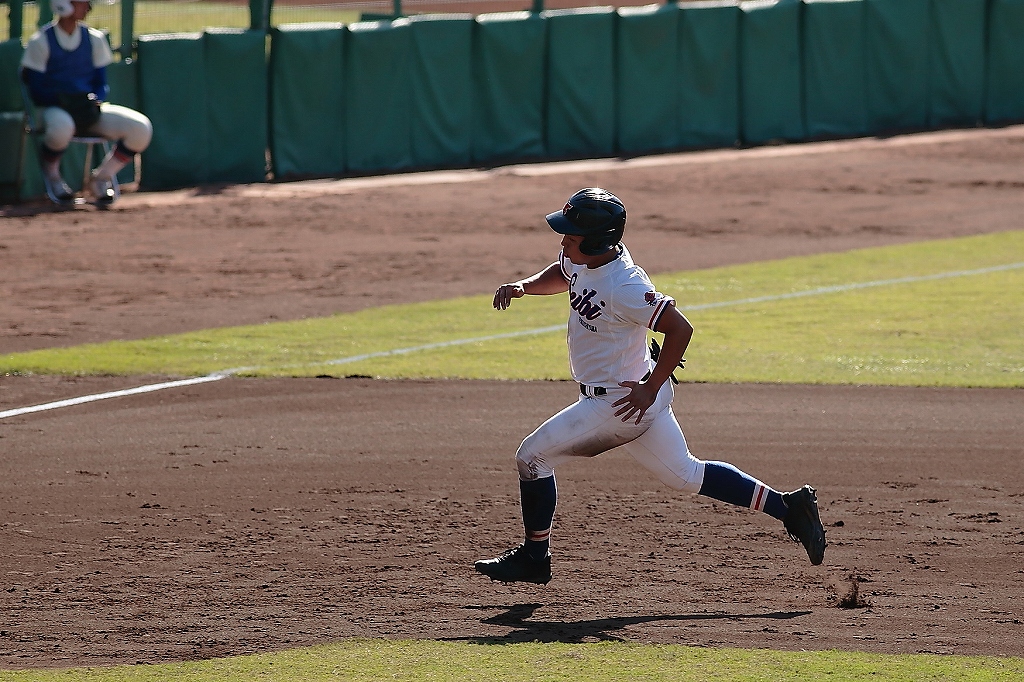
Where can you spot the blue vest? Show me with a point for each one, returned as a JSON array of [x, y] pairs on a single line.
[[70, 71], [65, 71]]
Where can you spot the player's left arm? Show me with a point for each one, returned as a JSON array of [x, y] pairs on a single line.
[[678, 331], [102, 57], [100, 88]]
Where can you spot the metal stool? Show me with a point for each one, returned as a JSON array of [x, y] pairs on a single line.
[[89, 143]]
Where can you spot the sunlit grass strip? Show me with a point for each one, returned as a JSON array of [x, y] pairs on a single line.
[[413, 661], [804, 273], [163, 16], [294, 347], [965, 330]]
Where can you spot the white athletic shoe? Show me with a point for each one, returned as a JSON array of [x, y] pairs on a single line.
[[103, 191], [57, 190]]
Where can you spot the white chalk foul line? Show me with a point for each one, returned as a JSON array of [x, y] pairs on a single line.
[[444, 344], [857, 285], [112, 394], [508, 335]]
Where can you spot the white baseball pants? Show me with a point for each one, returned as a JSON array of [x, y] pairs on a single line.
[[590, 427], [133, 129]]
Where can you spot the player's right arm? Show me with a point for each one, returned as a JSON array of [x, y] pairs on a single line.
[[33, 63], [548, 281]]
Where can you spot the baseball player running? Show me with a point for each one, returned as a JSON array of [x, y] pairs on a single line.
[[625, 396]]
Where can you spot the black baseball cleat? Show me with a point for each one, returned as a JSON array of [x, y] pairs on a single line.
[[803, 524], [516, 566]]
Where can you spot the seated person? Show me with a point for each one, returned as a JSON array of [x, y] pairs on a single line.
[[65, 69]]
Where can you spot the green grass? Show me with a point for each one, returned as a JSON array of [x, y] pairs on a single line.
[[187, 17], [960, 331], [289, 348], [362, 660], [964, 331]]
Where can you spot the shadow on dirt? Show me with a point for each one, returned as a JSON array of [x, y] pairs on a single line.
[[601, 629]]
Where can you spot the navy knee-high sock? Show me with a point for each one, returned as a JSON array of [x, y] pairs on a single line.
[[725, 482], [538, 499]]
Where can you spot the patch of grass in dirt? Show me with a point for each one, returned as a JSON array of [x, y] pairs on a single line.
[[954, 331], [360, 660]]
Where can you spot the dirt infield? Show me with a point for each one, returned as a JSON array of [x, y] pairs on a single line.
[[254, 515]]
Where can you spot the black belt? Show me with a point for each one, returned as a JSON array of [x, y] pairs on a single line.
[[601, 390]]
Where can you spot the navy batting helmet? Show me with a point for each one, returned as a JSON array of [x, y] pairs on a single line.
[[595, 214]]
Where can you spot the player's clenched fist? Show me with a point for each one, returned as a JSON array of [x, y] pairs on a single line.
[[505, 293]]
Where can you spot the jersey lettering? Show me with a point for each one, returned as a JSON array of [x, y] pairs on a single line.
[[582, 302]]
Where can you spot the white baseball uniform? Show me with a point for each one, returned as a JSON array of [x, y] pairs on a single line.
[[612, 307]]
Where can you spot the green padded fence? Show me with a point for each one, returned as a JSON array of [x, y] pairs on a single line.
[[307, 100], [453, 90], [206, 95], [709, 94], [378, 84], [442, 90], [834, 76], [173, 94], [12, 119], [11, 141], [10, 90], [1004, 99], [647, 77], [957, 62], [580, 111], [508, 62], [236, 96], [123, 78], [897, 64], [770, 72]]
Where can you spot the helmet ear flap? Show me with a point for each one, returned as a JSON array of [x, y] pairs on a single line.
[[593, 247], [597, 244]]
